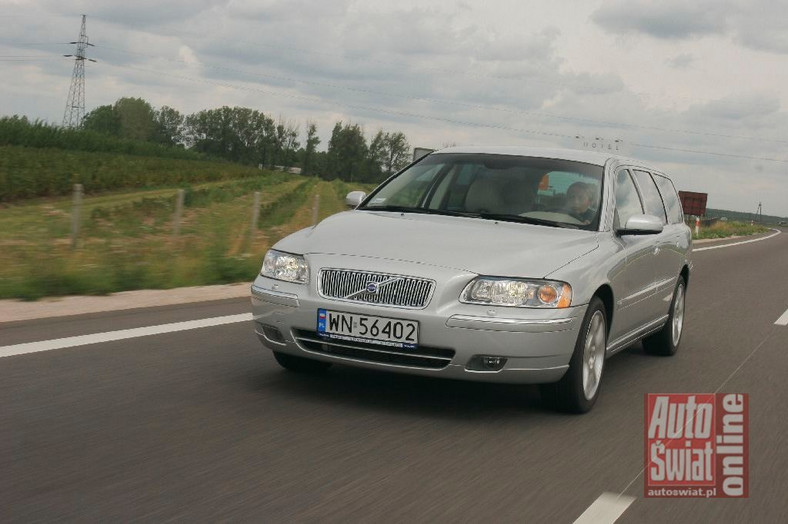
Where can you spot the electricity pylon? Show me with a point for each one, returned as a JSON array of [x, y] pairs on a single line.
[[75, 105]]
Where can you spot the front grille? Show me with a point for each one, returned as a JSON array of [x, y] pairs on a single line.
[[396, 290], [421, 357]]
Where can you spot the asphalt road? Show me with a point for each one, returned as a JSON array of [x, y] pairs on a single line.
[[202, 424]]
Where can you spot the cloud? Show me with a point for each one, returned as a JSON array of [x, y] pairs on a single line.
[[668, 20], [681, 61], [756, 24], [741, 109], [762, 26], [137, 14]]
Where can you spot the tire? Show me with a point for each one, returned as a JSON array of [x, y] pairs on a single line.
[[666, 341], [300, 364], [578, 389]]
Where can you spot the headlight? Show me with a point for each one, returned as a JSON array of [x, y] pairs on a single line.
[[284, 266], [495, 291]]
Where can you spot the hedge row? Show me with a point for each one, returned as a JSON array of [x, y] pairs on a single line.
[[32, 172], [19, 131]]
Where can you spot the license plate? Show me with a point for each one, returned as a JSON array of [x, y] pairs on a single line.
[[366, 328]]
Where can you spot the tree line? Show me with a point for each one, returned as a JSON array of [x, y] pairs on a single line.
[[248, 136]]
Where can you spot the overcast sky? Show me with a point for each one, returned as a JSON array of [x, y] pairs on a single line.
[[699, 88]]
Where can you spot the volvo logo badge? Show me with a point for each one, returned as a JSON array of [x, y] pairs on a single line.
[[373, 288]]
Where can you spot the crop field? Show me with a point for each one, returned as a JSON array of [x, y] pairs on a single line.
[[40, 172], [127, 239]]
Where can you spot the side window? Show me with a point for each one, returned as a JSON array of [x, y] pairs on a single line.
[[670, 199], [651, 199], [627, 200]]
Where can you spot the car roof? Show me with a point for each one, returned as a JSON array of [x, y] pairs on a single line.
[[577, 155]]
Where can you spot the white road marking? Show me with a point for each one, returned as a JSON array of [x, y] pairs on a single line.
[[606, 509], [783, 320], [109, 336], [694, 250]]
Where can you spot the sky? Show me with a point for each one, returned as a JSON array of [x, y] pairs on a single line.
[[698, 89]]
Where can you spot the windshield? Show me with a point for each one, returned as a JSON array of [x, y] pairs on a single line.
[[544, 191]]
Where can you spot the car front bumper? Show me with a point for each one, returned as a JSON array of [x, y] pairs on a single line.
[[536, 343]]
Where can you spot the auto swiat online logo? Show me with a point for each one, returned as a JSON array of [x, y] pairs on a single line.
[[696, 445]]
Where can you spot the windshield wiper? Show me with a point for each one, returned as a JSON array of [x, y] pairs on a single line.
[[420, 210], [525, 220]]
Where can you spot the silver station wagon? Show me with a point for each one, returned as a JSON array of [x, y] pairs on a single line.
[[497, 264]]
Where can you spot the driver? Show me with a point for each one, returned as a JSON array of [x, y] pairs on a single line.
[[579, 198]]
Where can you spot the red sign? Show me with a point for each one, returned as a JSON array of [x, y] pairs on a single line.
[[696, 445]]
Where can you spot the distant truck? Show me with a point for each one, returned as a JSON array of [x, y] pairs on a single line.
[[693, 203]]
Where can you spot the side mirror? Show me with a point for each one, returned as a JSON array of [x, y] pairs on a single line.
[[354, 198], [642, 225]]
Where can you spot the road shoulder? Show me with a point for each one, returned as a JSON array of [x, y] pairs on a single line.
[[16, 310]]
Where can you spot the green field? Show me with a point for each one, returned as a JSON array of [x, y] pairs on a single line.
[[126, 238]]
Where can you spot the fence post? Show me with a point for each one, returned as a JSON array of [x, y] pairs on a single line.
[[176, 223], [255, 211], [315, 209], [76, 209]]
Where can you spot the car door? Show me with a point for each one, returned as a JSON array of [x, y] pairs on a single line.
[[633, 280], [678, 235], [664, 252]]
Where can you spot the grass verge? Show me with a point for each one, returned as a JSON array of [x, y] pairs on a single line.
[[722, 229], [126, 241]]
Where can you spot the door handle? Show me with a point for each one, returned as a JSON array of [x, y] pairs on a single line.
[[656, 250]]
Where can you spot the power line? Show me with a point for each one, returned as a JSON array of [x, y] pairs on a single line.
[[713, 153], [352, 106], [464, 104], [465, 72], [31, 59], [442, 119], [34, 43]]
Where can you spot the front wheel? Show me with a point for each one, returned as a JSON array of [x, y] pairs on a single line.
[[300, 364], [666, 341], [578, 389]]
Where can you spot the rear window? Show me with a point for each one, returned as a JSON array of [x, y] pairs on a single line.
[[670, 199]]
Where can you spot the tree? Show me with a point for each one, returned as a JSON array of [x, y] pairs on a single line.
[[168, 126], [388, 152], [238, 134], [104, 120], [347, 153], [377, 149], [136, 118], [397, 152], [286, 142], [312, 140]]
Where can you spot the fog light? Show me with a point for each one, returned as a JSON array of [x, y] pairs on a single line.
[[273, 334], [493, 362], [486, 363]]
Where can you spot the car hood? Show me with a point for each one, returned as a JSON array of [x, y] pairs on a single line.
[[477, 245]]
